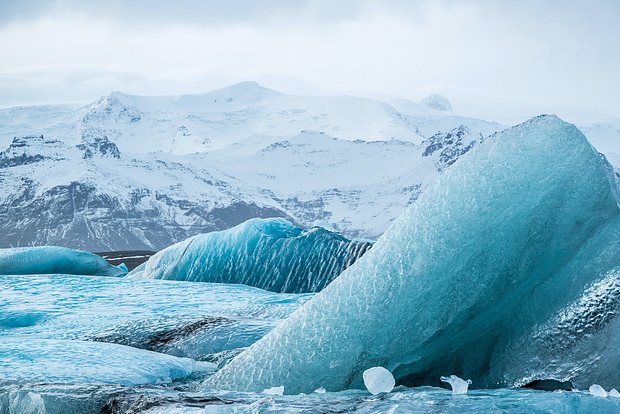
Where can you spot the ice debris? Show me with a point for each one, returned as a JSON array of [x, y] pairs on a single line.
[[459, 385], [597, 391], [274, 391], [378, 380]]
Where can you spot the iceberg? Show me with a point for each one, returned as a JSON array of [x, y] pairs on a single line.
[[55, 260], [270, 254], [508, 254]]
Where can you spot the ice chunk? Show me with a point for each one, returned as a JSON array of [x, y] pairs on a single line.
[[459, 385], [597, 391], [182, 319], [271, 254], [378, 380], [53, 259], [274, 391], [515, 230], [320, 390], [29, 359], [614, 393]]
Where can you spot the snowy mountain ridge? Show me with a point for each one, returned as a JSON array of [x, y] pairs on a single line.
[[205, 122], [134, 172]]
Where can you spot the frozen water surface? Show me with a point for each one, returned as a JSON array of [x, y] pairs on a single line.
[[60, 335], [63, 361], [153, 400], [182, 319]]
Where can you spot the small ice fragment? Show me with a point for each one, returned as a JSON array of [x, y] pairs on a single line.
[[320, 390], [597, 391], [378, 380], [614, 393], [459, 385], [274, 390]]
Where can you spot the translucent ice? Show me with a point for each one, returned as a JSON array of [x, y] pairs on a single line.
[[508, 238], [378, 380], [182, 319], [63, 361], [597, 391], [271, 254], [53, 259], [614, 393], [459, 385], [274, 391]]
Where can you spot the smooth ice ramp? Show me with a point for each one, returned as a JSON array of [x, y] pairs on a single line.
[[28, 359], [270, 254], [55, 260], [504, 242]]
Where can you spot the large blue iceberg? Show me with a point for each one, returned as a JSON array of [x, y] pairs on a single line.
[[271, 254], [507, 269], [55, 260]]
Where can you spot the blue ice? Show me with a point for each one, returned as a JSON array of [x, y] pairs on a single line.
[[53, 259], [497, 273], [271, 254]]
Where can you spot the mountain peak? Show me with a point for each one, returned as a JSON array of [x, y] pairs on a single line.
[[437, 102], [248, 90]]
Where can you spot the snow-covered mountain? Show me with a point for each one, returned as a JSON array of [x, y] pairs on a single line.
[[133, 172], [206, 122]]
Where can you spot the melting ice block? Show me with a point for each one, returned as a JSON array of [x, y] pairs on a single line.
[[271, 254], [507, 239], [274, 391], [459, 385], [597, 391], [378, 380], [55, 260]]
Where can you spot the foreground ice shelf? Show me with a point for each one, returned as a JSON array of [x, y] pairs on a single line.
[[505, 270], [27, 359], [183, 319]]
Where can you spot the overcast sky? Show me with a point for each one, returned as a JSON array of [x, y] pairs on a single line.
[[497, 59]]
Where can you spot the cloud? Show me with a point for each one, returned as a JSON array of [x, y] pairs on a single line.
[[192, 12], [489, 57]]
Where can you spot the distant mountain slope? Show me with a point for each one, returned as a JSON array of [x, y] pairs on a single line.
[[205, 122], [95, 197], [133, 172]]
